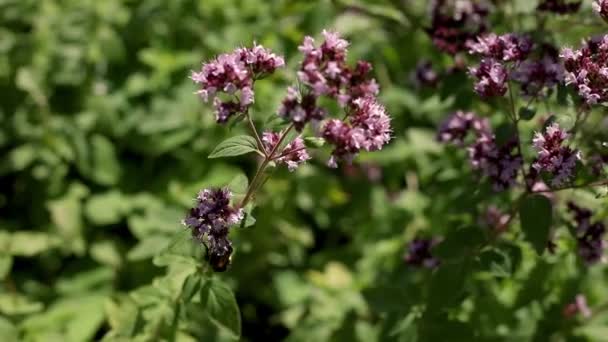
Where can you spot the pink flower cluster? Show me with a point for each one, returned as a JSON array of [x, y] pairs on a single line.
[[491, 78], [500, 163], [601, 7], [456, 127], [554, 158], [210, 220], [578, 306], [491, 73], [454, 23], [324, 72], [292, 155], [589, 235], [366, 128], [587, 70], [234, 74], [507, 47]]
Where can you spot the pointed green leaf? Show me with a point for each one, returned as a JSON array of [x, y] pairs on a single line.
[[235, 146], [536, 215], [221, 307]]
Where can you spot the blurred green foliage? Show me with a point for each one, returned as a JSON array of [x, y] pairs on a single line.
[[104, 146]]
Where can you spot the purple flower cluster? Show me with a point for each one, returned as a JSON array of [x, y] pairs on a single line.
[[559, 6], [535, 75], [500, 163], [424, 75], [455, 128], [554, 158], [234, 74], [292, 155], [587, 70], [491, 78], [589, 235], [454, 23], [601, 7], [210, 220], [507, 47], [324, 72], [492, 74], [366, 128], [300, 110], [419, 253]]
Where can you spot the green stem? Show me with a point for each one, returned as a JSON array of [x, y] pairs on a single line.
[[255, 133], [269, 157]]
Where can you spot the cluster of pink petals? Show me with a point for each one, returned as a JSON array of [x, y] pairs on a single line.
[[587, 70], [500, 163], [367, 128], [324, 72], [601, 7], [455, 23], [491, 78], [455, 128], [234, 74], [292, 155], [495, 219], [554, 158], [507, 47]]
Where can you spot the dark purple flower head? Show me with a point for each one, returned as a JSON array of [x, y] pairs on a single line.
[[368, 128], [455, 128], [499, 163], [300, 110], [601, 7], [454, 23], [491, 78], [559, 6], [424, 75], [535, 75], [507, 47], [554, 158], [210, 220], [589, 235], [234, 74], [587, 70], [419, 253], [292, 155]]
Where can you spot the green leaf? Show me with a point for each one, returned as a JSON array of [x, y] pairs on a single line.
[[527, 113], [28, 244], [191, 286], [238, 185], [496, 262], [447, 285], [6, 262], [221, 307], [234, 146], [106, 167], [182, 248], [536, 215], [106, 208]]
